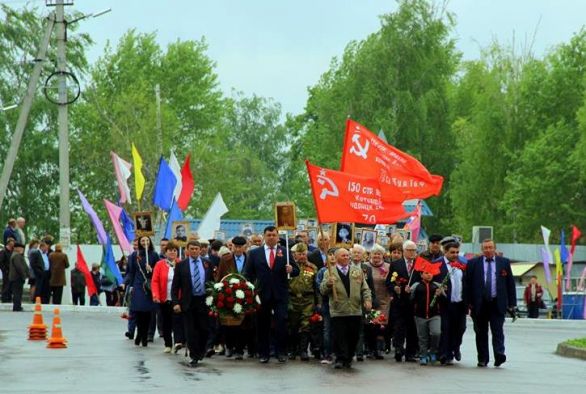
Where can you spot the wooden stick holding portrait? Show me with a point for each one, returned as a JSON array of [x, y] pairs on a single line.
[[285, 221], [329, 266]]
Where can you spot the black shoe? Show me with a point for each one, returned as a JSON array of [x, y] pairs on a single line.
[[210, 353], [282, 359], [264, 360], [499, 359], [144, 344], [177, 347], [193, 362], [410, 359], [482, 364], [458, 355], [360, 358], [338, 365], [238, 356], [129, 335], [137, 341], [151, 339], [228, 353], [398, 357], [347, 365], [304, 356], [291, 356]]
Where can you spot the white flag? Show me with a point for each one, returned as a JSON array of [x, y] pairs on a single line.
[[211, 220], [176, 170]]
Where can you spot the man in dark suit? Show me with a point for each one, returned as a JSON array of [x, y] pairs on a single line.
[[453, 309], [39, 261], [405, 340], [490, 291], [188, 297], [320, 255], [267, 267]]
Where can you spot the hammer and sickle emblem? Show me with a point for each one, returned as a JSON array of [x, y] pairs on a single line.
[[330, 190], [358, 149]]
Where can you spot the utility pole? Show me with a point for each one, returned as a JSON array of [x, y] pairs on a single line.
[[62, 119], [25, 110]]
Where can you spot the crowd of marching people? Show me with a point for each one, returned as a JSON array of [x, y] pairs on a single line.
[[333, 304]]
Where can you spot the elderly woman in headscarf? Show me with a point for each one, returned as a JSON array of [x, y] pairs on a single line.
[[380, 270]]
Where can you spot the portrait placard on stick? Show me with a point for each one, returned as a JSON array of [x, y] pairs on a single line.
[[343, 234], [143, 223], [285, 215], [179, 232]]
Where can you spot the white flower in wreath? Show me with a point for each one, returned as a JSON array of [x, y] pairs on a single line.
[[257, 299], [237, 308], [250, 285], [240, 294], [234, 281], [209, 300], [218, 286]]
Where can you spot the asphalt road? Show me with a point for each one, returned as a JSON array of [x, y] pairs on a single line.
[[100, 359]]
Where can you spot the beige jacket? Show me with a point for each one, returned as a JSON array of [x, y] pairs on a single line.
[[346, 305]]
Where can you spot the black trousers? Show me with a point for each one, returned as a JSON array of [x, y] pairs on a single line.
[[272, 310], [453, 328], [142, 326], [78, 298], [167, 320], [16, 287], [405, 338], [42, 287], [345, 332], [489, 315], [533, 310], [6, 287], [195, 321], [57, 293], [235, 338]]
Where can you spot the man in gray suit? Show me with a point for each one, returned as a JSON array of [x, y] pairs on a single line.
[[18, 275]]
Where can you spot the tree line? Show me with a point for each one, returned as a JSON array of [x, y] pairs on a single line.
[[507, 131]]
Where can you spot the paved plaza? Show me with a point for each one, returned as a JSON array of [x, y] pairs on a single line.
[[100, 359]]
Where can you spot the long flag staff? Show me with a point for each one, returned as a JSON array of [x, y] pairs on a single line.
[[329, 266], [287, 252]]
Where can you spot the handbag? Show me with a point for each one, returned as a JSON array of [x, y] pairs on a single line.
[[146, 285]]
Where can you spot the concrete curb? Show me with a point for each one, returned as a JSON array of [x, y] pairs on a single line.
[[67, 308], [571, 351]]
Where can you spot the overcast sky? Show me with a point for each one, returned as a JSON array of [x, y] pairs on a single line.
[[277, 48]]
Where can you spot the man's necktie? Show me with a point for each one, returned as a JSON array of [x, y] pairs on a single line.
[[345, 270], [196, 280], [272, 258], [409, 266], [488, 282]]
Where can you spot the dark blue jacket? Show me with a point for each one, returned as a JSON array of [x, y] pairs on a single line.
[[272, 285], [505, 284]]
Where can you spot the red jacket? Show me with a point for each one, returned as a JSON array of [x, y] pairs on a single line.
[[159, 282], [538, 294]]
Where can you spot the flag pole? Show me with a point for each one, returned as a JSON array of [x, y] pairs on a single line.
[[287, 252], [328, 265]]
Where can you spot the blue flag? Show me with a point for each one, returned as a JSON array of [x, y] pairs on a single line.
[[563, 250], [174, 216], [164, 186], [127, 225], [110, 267]]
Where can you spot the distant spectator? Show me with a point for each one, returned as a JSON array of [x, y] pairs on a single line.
[[77, 280], [10, 231], [58, 263], [20, 223], [33, 247], [533, 296], [5, 255], [97, 278], [18, 275]]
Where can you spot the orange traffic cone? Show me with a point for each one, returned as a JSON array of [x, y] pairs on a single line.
[[38, 330], [57, 341]]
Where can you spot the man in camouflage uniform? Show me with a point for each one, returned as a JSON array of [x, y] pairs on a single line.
[[302, 301]]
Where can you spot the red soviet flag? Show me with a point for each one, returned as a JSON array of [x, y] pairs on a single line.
[[82, 266], [188, 185], [341, 197], [366, 154]]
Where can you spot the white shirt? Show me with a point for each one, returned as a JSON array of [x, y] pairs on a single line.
[[170, 275], [456, 276], [268, 253]]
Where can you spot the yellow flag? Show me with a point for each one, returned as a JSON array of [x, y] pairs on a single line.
[[558, 263], [138, 177]]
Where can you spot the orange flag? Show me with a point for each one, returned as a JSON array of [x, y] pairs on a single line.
[[342, 197], [367, 155]]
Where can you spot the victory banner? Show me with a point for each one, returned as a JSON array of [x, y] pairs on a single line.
[[367, 155], [342, 197]]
